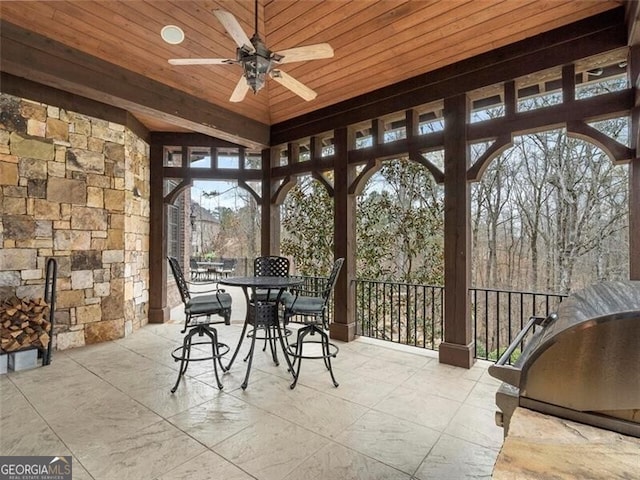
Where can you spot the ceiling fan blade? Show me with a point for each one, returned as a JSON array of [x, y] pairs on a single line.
[[234, 29], [308, 52], [200, 61], [240, 91], [294, 85]]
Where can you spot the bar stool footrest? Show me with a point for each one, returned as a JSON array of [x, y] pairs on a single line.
[[178, 354], [333, 350]]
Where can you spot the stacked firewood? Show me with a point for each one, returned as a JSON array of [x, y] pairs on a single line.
[[24, 323]]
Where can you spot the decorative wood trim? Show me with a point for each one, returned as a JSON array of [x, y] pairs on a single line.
[[249, 189], [357, 186], [212, 173], [170, 197], [617, 152], [438, 175], [325, 183], [281, 192], [497, 147]]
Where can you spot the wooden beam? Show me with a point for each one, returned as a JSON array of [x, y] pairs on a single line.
[[582, 39], [29, 55], [23, 88], [603, 106], [632, 18]]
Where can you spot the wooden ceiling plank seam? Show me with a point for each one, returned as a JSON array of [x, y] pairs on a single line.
[[46, 10], [292, 13], [414, 52], [352, 23], [316, 31], [360, 61]]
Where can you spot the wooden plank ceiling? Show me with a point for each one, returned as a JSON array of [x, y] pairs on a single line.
[[376, 43]]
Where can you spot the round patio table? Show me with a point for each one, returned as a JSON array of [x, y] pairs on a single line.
[[261, 314]]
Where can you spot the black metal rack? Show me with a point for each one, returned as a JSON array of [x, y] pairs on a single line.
[[51, 275]]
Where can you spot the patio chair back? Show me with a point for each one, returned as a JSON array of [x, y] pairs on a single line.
[[183, 287], [271, 266], [331, 281], [313, 303]]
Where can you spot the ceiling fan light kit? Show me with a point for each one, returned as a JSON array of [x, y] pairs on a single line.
[[258, 62]]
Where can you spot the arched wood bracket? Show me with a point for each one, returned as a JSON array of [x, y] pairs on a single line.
[[323, 180], [278, 196], [170, 197], [371, 167], [617, 152], [499, 145], [248, 188], [417, 157]]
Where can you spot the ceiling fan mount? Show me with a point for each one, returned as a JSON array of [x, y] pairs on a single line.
[[258, 62]]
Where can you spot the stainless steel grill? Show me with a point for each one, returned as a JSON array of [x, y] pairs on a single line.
[[582, 363]]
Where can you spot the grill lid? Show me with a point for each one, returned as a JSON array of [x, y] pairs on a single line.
[[584, 359]]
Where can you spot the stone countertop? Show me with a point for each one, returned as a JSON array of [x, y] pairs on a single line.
[[541, 447]]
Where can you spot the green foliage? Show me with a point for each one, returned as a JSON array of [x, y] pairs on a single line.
[[494, 355], [399, 226], [307, 223]]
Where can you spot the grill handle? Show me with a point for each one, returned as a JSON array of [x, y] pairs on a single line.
[[508, 373]]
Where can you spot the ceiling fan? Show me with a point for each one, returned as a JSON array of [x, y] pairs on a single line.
[[258, 61]]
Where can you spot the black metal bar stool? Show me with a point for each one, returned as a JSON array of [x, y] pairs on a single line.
[[198, 322], [312, 305]]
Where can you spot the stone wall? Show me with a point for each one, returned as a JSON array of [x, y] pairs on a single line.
[[75, 188]]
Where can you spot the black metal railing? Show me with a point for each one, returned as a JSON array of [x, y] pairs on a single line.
[[413, 314], [499, 315], [406, 313]]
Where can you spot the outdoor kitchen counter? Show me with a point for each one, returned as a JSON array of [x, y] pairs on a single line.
[[540, 447]]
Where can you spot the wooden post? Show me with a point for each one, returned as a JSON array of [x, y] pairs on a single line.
[[158, 309], [634, 169], [343, 326], [457, 348]]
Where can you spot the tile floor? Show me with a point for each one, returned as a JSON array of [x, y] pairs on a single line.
[[397, 414]]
